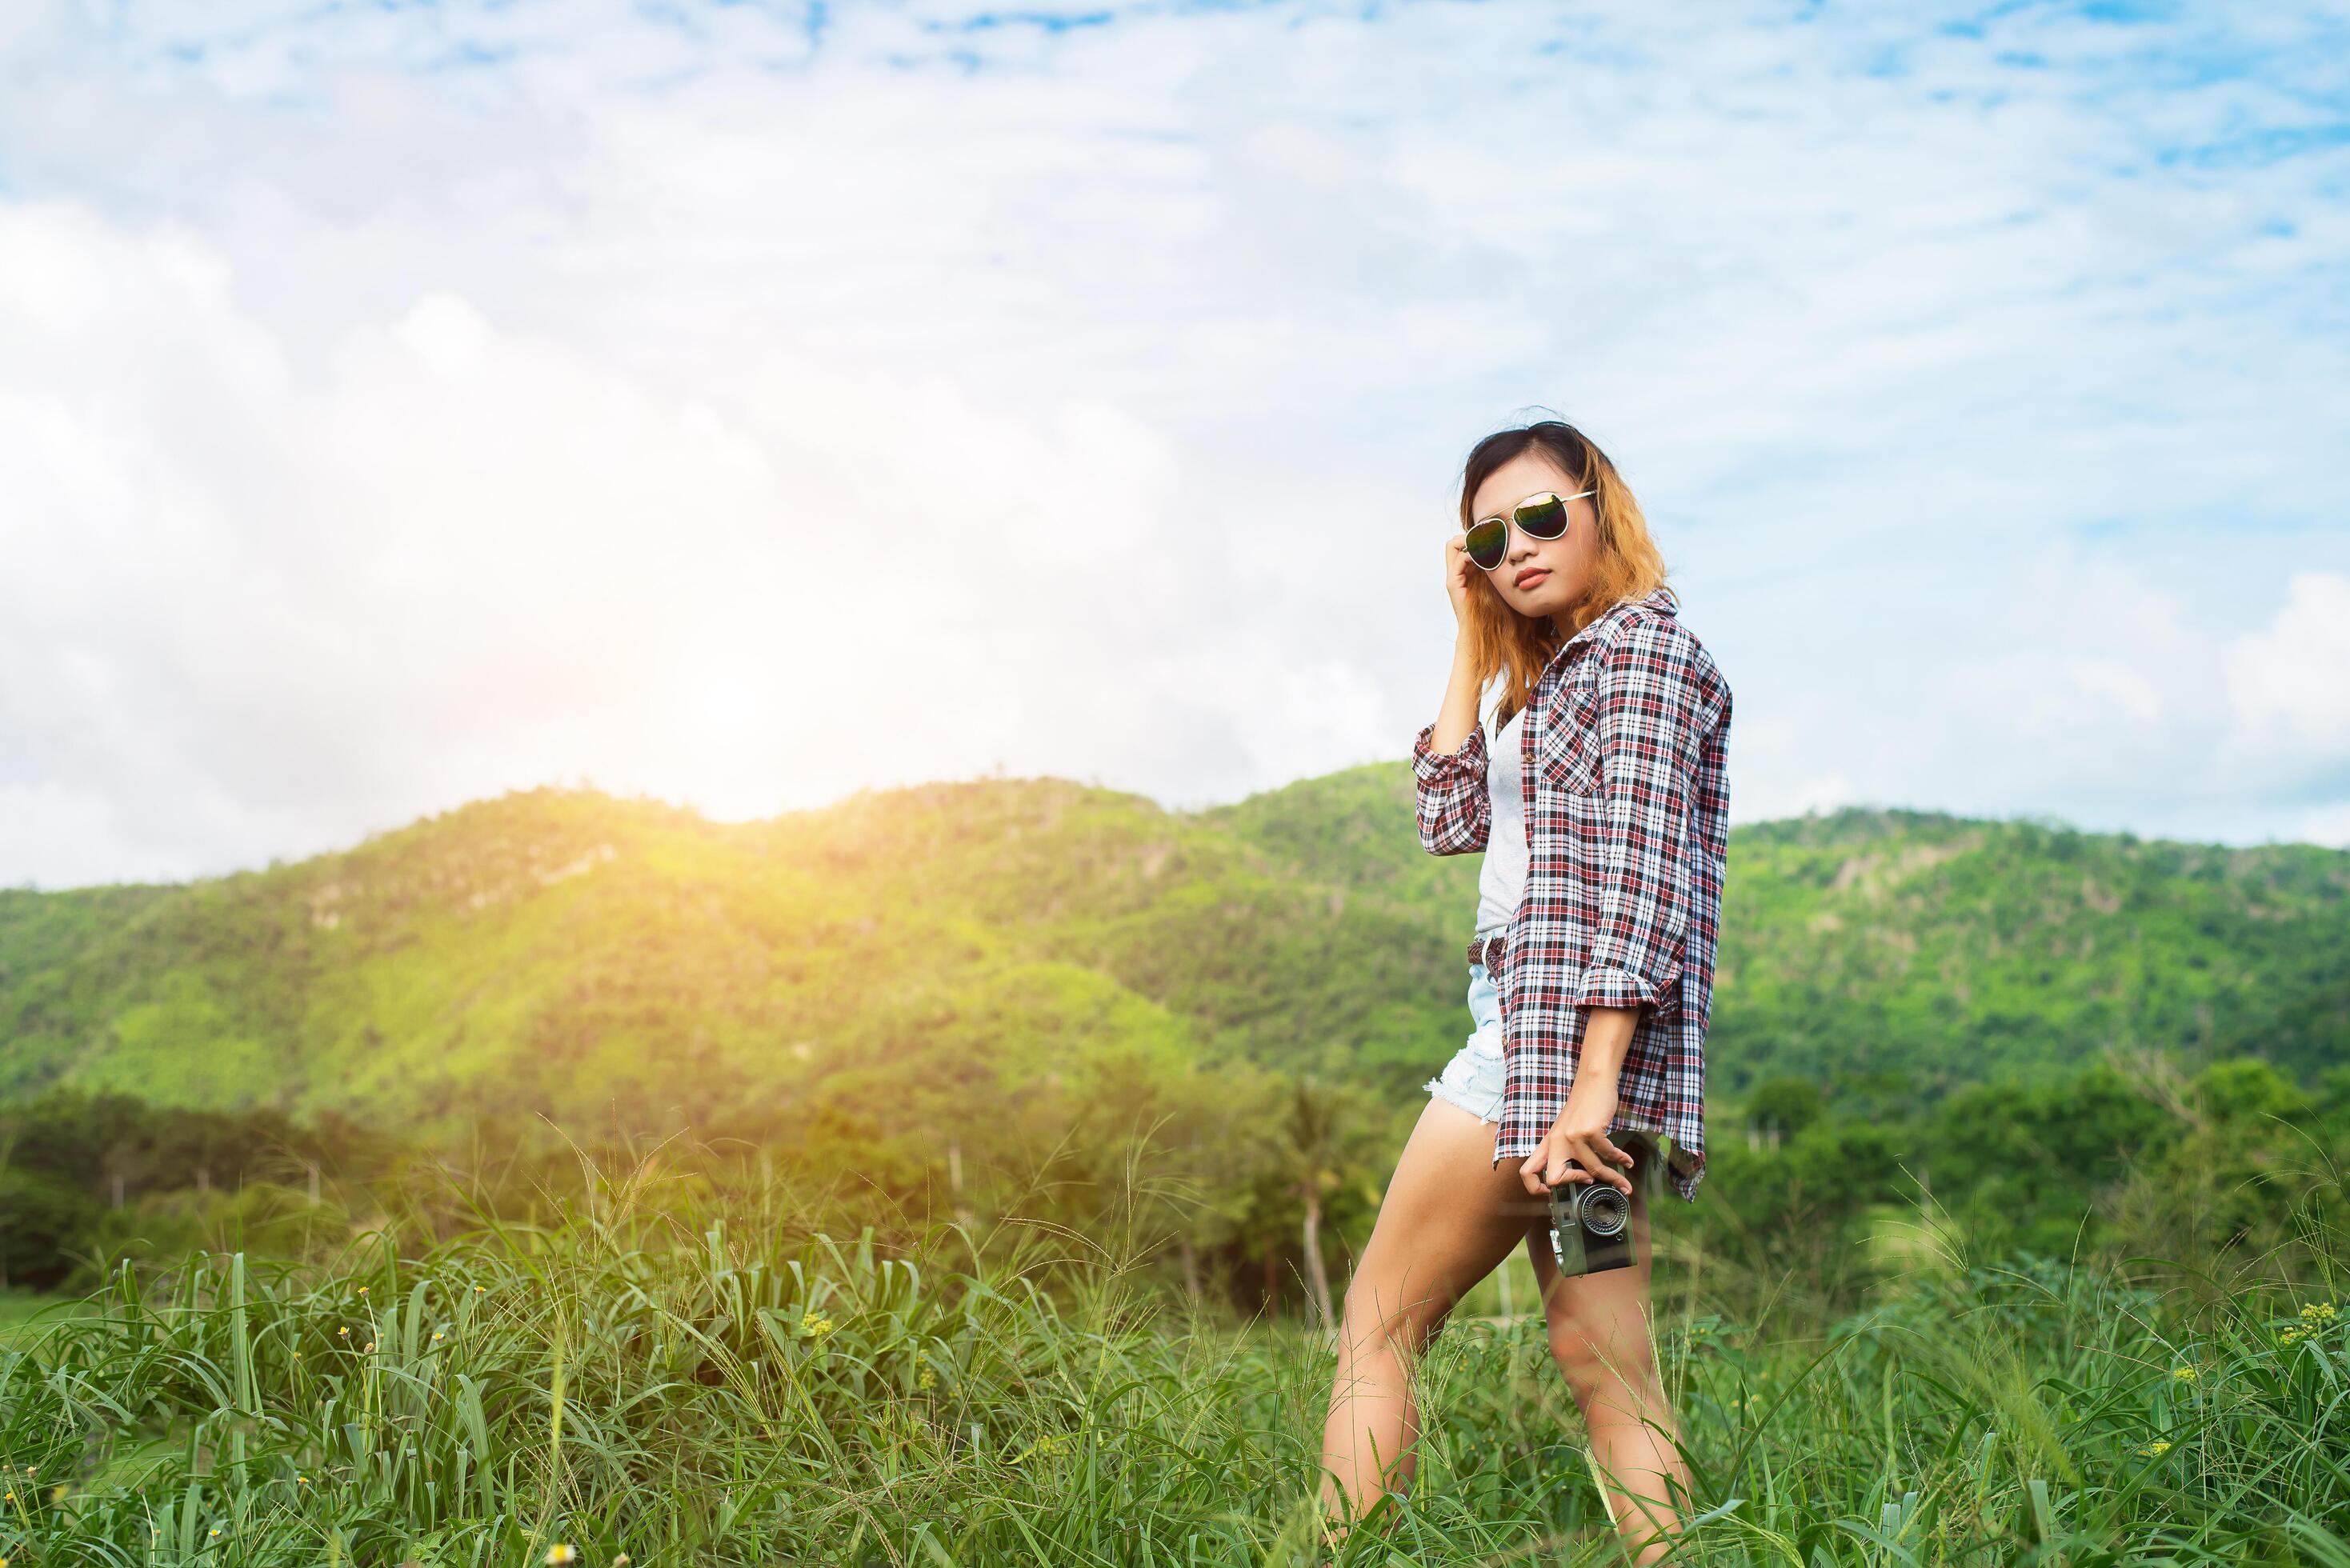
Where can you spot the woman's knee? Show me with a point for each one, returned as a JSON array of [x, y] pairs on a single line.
[[1384, 1313], [1605, 1359]]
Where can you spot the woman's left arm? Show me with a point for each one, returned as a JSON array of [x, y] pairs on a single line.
[[1654, 696], [1653, 702], [1579, 1132]]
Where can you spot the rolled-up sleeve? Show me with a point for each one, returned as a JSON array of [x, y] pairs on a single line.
[[1652, 702], [1455, 813]]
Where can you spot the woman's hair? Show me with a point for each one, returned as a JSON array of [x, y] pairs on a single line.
[[1627, 566]]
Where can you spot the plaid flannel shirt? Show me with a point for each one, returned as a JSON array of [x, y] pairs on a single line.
[[1626, 813]]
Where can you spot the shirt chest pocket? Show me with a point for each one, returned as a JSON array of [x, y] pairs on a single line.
[[1566, 747]]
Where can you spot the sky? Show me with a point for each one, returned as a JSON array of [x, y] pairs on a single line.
[[746, 404]]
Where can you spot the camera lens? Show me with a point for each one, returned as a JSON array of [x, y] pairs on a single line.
[[1606, 1211]]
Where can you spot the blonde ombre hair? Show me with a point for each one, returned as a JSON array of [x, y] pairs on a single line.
[[1628, 567]]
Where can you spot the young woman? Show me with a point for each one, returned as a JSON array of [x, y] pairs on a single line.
[[1601, 808]]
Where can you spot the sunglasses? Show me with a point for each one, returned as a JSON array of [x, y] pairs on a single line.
[[1540, 516]]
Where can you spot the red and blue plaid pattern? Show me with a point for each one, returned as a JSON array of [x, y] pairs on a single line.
[[1628, 828]]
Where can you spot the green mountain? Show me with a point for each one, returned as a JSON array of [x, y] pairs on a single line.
[[588, 956]]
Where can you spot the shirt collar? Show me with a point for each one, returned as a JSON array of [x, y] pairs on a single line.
[[1660, 599]]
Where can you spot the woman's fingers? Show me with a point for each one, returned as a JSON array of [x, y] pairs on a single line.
[[1599, 1157], [1548, 1166], [1576, 1156], [1457, 567], [1561, 1171]]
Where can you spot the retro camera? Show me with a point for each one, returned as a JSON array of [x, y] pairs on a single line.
[[1590, 1227]]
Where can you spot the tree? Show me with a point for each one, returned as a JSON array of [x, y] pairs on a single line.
[[1328, 1149], [41, 1219]]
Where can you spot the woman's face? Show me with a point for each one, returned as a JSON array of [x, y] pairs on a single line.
[[1540, 578]]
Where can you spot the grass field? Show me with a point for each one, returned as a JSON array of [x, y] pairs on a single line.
[[22, 1311], [679, 1386]]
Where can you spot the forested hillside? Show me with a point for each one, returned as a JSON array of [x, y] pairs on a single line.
[[586, 956], [1934, 950]]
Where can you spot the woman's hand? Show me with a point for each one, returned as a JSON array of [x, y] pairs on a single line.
[[1458, 573], [1580, 1132]]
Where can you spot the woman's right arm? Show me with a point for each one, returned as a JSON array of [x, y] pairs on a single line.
[[1447, 756]]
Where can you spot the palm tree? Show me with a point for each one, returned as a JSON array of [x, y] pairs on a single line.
[[1324, 1135]]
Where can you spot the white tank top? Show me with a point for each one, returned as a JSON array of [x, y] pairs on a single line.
[[1501, 881]]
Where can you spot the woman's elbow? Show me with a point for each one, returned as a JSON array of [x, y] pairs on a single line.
[[1450, 841]]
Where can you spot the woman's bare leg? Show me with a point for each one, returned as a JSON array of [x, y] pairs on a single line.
[[1449, 1216], [1599, 1335]]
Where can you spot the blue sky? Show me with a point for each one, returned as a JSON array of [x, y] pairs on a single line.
[[750, 403]]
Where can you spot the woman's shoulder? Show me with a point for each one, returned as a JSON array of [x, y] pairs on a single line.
[[1647, 636], [1652, 622]]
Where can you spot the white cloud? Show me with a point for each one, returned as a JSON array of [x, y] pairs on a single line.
[[2114, 681], [467, 560], [2290, 679], [400, 405], [2327, 825]]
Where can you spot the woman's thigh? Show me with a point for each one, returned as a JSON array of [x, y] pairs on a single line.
[[1598, 1324], [1447, 1218]]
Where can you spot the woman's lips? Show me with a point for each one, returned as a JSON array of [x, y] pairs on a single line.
[[1529, 578]]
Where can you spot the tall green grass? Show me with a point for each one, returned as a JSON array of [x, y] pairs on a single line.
[[681, 1382]]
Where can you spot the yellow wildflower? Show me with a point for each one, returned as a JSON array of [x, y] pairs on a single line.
[[559, 1553], [362, 1290], [2156, 1449], [815, 1325], [1048, 1445], [2289, 1336], [2185, 1374], [344, 1331], [926, 1378], [2317, 1311]]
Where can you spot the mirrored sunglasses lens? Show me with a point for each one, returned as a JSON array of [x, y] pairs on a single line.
[[1544, 519], [1487, 541]]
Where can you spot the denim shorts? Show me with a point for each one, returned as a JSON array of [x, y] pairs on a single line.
[[1472, 1079]]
